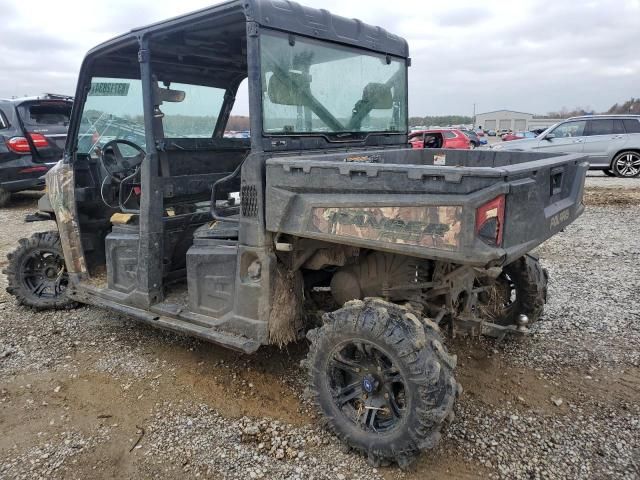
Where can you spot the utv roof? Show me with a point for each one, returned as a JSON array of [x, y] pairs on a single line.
[[44, 96], [281, 15]]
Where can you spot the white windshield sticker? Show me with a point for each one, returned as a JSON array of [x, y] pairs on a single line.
[[104, 89]]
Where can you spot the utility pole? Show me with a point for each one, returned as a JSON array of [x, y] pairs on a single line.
[[474, 116]]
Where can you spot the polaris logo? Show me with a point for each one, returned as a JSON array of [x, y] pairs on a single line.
[[560, 218]]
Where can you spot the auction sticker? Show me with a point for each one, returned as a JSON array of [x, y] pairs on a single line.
[[109, 89]]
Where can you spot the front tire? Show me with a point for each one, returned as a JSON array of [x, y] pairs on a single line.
[[609, 173], [626, 164], [382, 380], [36, 273]]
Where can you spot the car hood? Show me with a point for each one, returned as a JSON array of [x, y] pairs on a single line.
[[524, 144]]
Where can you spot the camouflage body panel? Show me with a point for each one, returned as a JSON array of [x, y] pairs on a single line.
[[425, 226], [61, 192]]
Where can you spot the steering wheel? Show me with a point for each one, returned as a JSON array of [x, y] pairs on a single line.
[[117, 165]]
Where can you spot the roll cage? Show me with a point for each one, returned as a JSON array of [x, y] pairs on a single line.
[[218, 47]]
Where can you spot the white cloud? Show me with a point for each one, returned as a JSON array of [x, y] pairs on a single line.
[[532, 55]]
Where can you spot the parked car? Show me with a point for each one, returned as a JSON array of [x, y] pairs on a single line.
[[492, 133], [442, 138], [611, 142], [33, 131], [517, 136], [474, 139], [479, 132], [503, 131]]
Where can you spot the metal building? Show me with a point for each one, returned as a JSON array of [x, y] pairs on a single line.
[[512, 120]]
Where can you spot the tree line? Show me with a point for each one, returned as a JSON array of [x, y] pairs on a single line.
[[631, 106], [441, 120], [240, 123]]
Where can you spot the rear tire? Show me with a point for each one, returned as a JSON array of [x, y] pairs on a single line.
[[609, 173], [36, 273], [5, 197], [626, 164], [382, 380], [526, 280]]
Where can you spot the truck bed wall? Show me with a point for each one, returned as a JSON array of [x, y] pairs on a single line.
[[438, 189]]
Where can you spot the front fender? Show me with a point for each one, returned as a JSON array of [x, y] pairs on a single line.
[[60, 195]]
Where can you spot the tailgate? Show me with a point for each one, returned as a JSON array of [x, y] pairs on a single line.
[[49, 119], [544, 197], [424, 203]]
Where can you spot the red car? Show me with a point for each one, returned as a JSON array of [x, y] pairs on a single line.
[[517, 136], [448, 138]]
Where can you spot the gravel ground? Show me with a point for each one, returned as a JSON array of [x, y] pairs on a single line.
[[89, 393]]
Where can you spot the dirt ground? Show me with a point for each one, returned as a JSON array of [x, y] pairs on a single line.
[[87, 393]]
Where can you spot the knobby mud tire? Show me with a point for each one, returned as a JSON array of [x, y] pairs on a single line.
[[416, 348], [530, 280], [38, 243]]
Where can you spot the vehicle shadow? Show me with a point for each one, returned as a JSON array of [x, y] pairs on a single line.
[[24, 199]]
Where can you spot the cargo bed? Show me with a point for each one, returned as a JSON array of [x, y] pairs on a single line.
[[424, 203]]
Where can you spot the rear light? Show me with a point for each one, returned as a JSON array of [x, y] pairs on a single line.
[[490, 221], [21, 145], [33, 169]]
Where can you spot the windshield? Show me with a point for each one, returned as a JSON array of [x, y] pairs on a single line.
[[311, 87], [114, 110]]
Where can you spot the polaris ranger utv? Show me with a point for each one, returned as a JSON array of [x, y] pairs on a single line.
[[324, 223]]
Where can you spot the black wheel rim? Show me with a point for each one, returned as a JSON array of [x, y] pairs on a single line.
[[366, 386], [44, 274], [628, 164]]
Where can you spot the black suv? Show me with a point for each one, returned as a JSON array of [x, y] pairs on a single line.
[[33, 131]]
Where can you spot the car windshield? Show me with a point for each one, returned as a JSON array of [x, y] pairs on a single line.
[[312, 87], [114, 110]]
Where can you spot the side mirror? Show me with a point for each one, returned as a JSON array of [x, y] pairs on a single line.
[[378, 96], [287, 90], [549, 137]]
